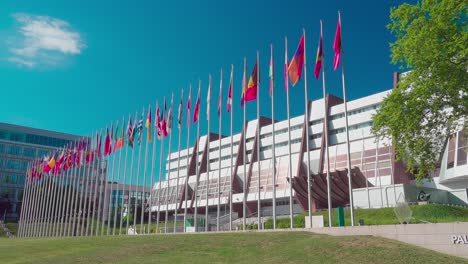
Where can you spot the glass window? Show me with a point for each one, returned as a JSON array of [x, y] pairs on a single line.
[[14, 150], [29, 152], [2, 148], [451, 151], [462, 148]]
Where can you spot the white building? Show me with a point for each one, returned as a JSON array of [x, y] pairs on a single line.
[[386, 177]]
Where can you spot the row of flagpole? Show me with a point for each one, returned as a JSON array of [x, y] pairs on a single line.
[[57, 198]]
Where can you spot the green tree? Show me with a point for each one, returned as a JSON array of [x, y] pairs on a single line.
[[431, 101]]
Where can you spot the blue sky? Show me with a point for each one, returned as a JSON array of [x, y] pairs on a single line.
[[74, 66]]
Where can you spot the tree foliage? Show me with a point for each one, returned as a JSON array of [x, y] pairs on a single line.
[[431, 100]]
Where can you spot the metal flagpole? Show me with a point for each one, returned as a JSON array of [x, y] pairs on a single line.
[[42, 205], [97, 174], [27, 204], [306, 94], [179, 125], [219, 146], [168, 180], [230, 96], [33, 208], [244, 200], [362, 167], [273, 152], [259, 202], [106, 183], [86, 180], [128, 131], [187, 158], [195, 222], [325, 133], [351, 200], [68, 190], [59, 195], [50, 226], [208, 152], [158, 214], [140, 132], [114, 156], [76, 194], [116, 200], [148, 139], [73, 210], [102, 177], [37, 203], [128, 208], [27, 210], [153, 155], [42, 200], [55, 190], [91, 194], [25, 201], [45, 205], [84, 189], [291, 213], [65, 190], [45, 215], [31, 191]]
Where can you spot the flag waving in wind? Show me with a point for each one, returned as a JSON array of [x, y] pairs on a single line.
[[148, 124], [189, 100], [196, 112], [170, 115], [119, 138], [251, 92], [337, 44], [297, 63], [179, 114], [244, 84], [163, 119], [106, 143], [319, 59], [158, 121], [229, 100], [130, 133], [140, 127]]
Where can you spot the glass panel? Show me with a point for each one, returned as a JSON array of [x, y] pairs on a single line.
[[451, 151]]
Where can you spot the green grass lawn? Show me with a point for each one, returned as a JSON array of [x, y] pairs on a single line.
[[434, 213], [273, 247]]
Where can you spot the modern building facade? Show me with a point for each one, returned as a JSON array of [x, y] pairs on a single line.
[[18, 146], [374, 168]]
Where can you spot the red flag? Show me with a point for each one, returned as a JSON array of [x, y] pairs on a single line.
[[158, 121], [319, 59], [251, 92], [107, 143], [297, 63], [98, 148], [189, 99], [196, 112], [229, 100], [164, 121], [337, 45]]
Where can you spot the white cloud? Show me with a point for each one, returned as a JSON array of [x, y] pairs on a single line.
[[43, 40], [21, 62]]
